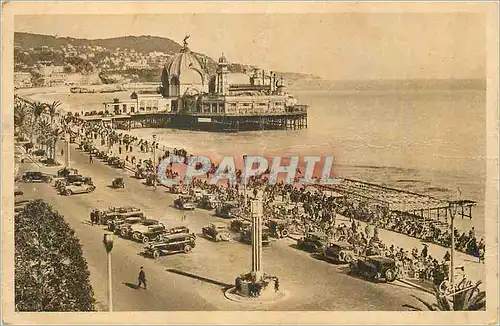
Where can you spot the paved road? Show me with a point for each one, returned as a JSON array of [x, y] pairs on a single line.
[[312, 284]]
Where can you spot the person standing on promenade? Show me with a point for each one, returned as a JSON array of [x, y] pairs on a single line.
[[90, 159], [142, 279]]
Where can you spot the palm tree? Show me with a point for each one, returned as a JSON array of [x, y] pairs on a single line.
[[20, 116], [52, 109], [471, 299], [44, 131], [54, 137], [37, 108]]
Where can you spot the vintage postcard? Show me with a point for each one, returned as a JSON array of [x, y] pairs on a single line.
[[249, 163]]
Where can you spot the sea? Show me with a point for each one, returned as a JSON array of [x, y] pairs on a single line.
[[430, 140]]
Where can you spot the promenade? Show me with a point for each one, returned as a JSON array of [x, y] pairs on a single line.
[[474, 270], [196, 281]]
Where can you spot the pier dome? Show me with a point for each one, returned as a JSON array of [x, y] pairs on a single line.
[[183, 71]]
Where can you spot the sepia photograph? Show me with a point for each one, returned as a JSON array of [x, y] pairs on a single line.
[[243, 163]]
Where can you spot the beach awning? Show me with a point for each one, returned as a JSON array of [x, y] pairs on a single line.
[[396, 199]]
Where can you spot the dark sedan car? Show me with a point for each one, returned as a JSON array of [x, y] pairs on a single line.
[[375, 268], [36, 176]]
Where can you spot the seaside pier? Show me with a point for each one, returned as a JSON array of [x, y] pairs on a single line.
[[207, 122]]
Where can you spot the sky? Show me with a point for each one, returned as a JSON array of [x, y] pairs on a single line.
[[336, 46]]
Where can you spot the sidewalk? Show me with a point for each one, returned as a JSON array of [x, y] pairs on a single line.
[[474, 270]]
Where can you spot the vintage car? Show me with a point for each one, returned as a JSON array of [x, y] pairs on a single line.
[[169, 244], [152, 233], [77, 188], [121, 225], [65, 172], [116, 162], [313, 242], [216, 231], [228, 210], [238, 224], [175, 230], [184, 203], [71, 179], [119, 213], [208, 201], [36, 176], [138, 231], [19, 205], [118, 183], [278, 228], [375, 268], [119, 164], [18, 192], [197, 194], [246, 236], [140, 173], [339, 252], [112, 160]]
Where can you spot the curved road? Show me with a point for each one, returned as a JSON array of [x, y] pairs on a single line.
[[312, 284]]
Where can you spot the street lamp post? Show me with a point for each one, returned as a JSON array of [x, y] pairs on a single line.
[[453, 211], [244, 185], [67, 138], [108, 244], [154, 161]]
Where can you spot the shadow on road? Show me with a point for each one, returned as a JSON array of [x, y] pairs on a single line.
[[200, 278], [130, 285]]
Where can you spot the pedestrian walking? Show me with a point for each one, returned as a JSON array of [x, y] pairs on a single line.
[[62, 152], [142, 278], [183, 218], [120, 150], [276, 285], [90, 159]]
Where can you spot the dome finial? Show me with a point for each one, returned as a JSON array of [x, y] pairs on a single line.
[[223, 59], [185, 40]]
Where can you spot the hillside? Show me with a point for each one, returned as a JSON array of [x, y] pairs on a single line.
[[139, 43], [25, 41]]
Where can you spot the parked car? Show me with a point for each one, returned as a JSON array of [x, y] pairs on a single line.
[[119, 213], [339, 252], [121, 225], [238, 224], [246, 236], [138, 231], [77, 188], [18, 192], [228, 210], [375, 268], [118, 183], [36, 176], [173, 230], [208, 201], [184, 202], [65, 172], [278, 228], [72, 179], [313, 242], [140, 173], [216, 231], [173, 243]]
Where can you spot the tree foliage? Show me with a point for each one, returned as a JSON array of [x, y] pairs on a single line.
[[51, 273], [471, 299]]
